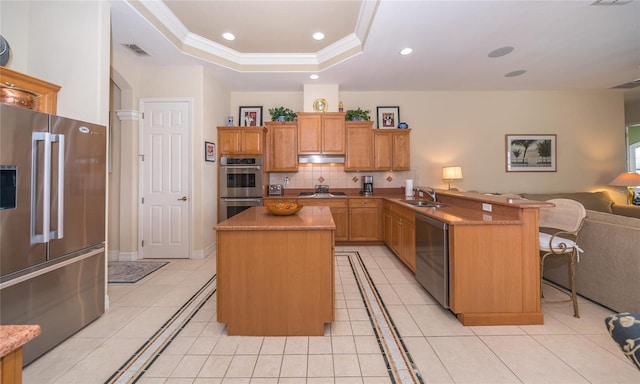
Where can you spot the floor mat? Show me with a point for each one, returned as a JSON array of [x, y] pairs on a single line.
[[131, 271]]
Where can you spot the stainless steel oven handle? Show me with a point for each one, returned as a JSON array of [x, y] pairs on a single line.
[[243, 200], [242, 167]]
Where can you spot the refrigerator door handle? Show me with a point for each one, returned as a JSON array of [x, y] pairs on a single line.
[[44, 237], [59, 234]]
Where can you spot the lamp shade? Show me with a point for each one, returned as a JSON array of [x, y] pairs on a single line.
[[453, 173], [626, 179]]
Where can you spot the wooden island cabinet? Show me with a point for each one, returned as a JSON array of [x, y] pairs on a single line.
[[275, 274]]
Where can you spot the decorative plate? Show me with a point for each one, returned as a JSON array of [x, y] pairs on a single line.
[[5, 51], [284, 209], [320, 105]]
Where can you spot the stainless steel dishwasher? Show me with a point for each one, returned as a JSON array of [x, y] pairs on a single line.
[[432, 257]]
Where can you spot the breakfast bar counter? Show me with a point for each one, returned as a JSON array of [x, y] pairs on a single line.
[[275, 274]]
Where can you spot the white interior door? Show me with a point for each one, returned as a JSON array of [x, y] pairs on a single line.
[[165, 181]]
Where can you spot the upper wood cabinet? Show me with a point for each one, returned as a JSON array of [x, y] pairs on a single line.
[[359, 156], [241, 141], [321, 133], [392, 149], [281, 152], [47, 92]]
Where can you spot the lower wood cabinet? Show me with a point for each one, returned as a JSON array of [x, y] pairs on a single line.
[[400, 232], [339, 211], [364, 220]]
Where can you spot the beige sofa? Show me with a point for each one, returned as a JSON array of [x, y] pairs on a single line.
[[609, 269]]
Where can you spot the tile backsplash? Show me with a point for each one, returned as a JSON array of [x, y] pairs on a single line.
[[334, 176]]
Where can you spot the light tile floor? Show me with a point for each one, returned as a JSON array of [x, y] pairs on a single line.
[[563, 350]]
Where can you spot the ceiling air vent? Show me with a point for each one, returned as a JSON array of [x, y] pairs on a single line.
[[611, 2], [629, 85], [136, 49]]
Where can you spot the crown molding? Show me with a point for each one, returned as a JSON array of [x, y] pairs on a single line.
[[158, 14]]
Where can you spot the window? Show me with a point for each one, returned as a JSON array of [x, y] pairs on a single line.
[[634, 157]]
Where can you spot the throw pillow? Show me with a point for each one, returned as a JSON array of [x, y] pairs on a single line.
[[624, 328]]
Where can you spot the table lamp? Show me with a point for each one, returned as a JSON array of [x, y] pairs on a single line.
[[629, 180], [452, 173]]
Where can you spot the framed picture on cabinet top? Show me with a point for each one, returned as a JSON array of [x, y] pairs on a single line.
[[250, 116], [388, 117], [530, 153], [209, 151]]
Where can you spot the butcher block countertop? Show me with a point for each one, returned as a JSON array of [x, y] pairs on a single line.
[[259, 219], [13, 337]]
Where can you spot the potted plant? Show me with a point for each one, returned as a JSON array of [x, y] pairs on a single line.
[[357, 115], [282, 114]]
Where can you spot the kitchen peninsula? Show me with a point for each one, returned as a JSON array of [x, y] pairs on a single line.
[[275, 274], [494, 262]]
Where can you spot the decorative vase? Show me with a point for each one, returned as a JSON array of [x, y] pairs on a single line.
[[403, 125], [281, 118]]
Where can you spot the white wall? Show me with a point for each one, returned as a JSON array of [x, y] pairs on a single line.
[[210, 108], [66, 43], [469, 128]]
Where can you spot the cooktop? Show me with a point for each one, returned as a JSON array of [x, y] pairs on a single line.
[[322, 194]]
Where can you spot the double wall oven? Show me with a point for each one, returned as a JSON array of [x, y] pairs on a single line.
[[241, 185]]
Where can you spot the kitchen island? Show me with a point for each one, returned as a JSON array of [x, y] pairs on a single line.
[[275, 274]]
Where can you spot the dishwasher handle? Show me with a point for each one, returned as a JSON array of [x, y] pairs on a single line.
[[431, 221]]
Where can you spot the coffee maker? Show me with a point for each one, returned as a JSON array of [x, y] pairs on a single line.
[[367, 185]]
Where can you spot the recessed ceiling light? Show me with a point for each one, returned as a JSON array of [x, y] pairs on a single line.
[[516, 73], [228, 36], [318, 36], [406, 51], [314, 77], [502, 51]]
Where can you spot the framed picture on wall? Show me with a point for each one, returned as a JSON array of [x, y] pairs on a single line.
[[388, 117], [250, 116], [530, 153], [209, 151]]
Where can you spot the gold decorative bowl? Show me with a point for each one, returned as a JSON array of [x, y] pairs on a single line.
[[284, 209]]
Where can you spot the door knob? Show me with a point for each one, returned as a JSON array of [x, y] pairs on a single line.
[[183, 198]]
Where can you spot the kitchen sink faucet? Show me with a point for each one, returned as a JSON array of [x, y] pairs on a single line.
[[431, 192]]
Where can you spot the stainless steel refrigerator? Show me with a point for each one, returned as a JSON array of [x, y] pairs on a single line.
[[52, 224]]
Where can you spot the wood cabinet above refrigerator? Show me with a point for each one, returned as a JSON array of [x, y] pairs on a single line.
[[47, 93]]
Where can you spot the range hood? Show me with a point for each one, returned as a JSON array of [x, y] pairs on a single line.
[[321, 159]]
